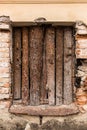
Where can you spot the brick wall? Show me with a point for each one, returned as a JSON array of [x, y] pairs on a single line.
[[81, 65], [5, 66]]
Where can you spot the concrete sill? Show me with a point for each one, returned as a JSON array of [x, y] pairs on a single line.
[[44, 110]]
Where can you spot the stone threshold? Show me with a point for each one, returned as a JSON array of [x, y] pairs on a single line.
[[44, 110]]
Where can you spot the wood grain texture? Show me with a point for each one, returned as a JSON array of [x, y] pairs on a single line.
[[25, 66], [67, 65], [36, 37], [17, 63], [59, 65], [50, 61], [44, 90]]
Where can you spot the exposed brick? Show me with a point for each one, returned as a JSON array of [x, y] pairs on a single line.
[[5, 104], [4, 64], [6, 84], [4, 80], [4, 45], [4, 70], [5, 75], [4, 55], [4, 60], [4, 50], [4, 26], [4, 96], [4, 90], [5, 37], [81, 28]]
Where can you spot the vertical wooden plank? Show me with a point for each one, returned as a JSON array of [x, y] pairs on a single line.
[[44, 90], [17, 63], [59, 65], [67, 65], [73, 65], [36, 39], [25, 66], [50, 61]]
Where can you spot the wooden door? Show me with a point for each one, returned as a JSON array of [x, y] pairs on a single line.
[[43, 65]]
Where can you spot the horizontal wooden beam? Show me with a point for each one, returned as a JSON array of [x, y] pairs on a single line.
[[45, 110], [40, 1]]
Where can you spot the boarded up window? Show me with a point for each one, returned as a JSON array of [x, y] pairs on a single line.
[[43, 65]]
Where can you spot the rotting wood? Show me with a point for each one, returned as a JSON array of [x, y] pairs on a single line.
[[36, 37], [25, 66], [17, 63], [50, 61], [48, 57], [44, 90], [45, 110], [67, 65], [59, 65]]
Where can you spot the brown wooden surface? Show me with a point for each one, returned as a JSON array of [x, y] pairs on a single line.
[[44, 90], [50, 61], [67, 65], [59, 65], [25, 66], [17, 63], [36, 37], [73, 65], [47, 65], [45, 110]]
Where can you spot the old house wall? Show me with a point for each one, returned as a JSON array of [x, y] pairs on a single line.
[[71, 18], [5, 62]]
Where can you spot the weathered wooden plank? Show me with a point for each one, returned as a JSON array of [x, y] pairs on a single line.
[[73, 69], [36, 39], [59, 65], [25, 66], [50, 61], [44, 90], [17, 63], [67, 65], [62, 110]]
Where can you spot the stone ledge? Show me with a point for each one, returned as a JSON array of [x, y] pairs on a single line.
[[45, 110]]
